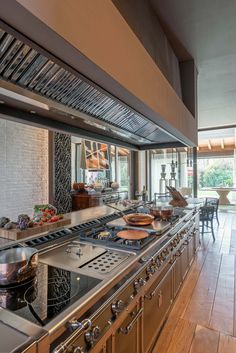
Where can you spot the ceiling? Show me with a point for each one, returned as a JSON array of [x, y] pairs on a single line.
[[207, 29], [221, 142]]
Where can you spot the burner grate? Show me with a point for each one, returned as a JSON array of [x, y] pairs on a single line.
[[106, 262], [113, 240]]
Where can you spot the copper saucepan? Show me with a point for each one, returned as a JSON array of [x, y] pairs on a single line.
[[17, 265], [162, 212], [138, 219]]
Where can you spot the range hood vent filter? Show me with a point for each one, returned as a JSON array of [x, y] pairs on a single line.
[[26, 67]]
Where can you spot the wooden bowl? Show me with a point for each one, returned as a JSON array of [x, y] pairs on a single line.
[[138, 219]]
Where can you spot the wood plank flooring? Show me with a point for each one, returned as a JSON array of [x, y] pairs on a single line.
[[203, 318]]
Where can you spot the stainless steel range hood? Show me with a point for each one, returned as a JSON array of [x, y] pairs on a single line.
[[27, 70]]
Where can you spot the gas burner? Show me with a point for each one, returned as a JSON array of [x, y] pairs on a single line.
[[104, 235], [112, 240]]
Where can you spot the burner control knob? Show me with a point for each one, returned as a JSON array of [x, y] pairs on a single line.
[[92, 335], [151, 270], [136, 285], [162, 256], [118, 307], [142, 281], [96, 332], [153, 263]]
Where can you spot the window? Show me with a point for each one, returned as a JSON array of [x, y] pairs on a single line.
[[119, 166], [123, 169]]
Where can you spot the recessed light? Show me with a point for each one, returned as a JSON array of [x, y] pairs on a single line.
[[32, 111], [2, 102]]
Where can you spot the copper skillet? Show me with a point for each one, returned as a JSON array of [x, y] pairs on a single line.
[[132, 234]]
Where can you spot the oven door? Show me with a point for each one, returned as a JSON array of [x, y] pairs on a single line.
[[157, 302], [127, 337]]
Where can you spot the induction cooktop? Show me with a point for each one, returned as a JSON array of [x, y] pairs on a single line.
[[51, 291]]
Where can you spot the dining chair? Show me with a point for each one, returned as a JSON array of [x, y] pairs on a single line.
[[206, 219], [213, 201]]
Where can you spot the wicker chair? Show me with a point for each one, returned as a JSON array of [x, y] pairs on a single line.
[[213, 201]]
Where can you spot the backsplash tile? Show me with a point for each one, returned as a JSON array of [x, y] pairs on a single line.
[[23, 168]]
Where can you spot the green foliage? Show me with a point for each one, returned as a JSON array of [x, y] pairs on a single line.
[[217, 174]]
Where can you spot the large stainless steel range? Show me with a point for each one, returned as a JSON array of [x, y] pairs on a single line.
[[94, 288]]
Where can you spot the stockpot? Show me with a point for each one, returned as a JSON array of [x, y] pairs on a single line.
[[17, 265]]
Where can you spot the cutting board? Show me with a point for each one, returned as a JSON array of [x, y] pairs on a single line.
[[16, 234]]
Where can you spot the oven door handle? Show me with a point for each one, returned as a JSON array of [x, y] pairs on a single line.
[[129, 327]]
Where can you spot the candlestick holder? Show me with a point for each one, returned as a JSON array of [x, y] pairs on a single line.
[[163, 181]]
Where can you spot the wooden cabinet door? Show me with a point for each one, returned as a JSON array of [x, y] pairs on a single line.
[[177, 276], [157, 302], [128, 336]]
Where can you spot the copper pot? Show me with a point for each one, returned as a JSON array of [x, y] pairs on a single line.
[[155, 212], [17, 265], [162, 212], [166, 213], [13, 298]]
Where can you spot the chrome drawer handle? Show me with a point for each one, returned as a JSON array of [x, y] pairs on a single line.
[[129, 327], [153, 293]]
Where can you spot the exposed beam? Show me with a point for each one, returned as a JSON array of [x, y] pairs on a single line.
[[161, 145], [209, 144]]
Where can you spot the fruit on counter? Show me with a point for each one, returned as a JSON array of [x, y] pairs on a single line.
[[44, 210], [9, 225], [3, 221], [23, 221], [54, 219]]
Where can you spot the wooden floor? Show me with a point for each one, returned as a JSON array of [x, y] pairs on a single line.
[[203, 319]]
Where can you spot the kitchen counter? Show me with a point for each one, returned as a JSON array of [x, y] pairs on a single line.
[[57, 326], [76, 217], [88, 214]]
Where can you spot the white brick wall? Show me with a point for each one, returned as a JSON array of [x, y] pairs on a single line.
[[23, 168]]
